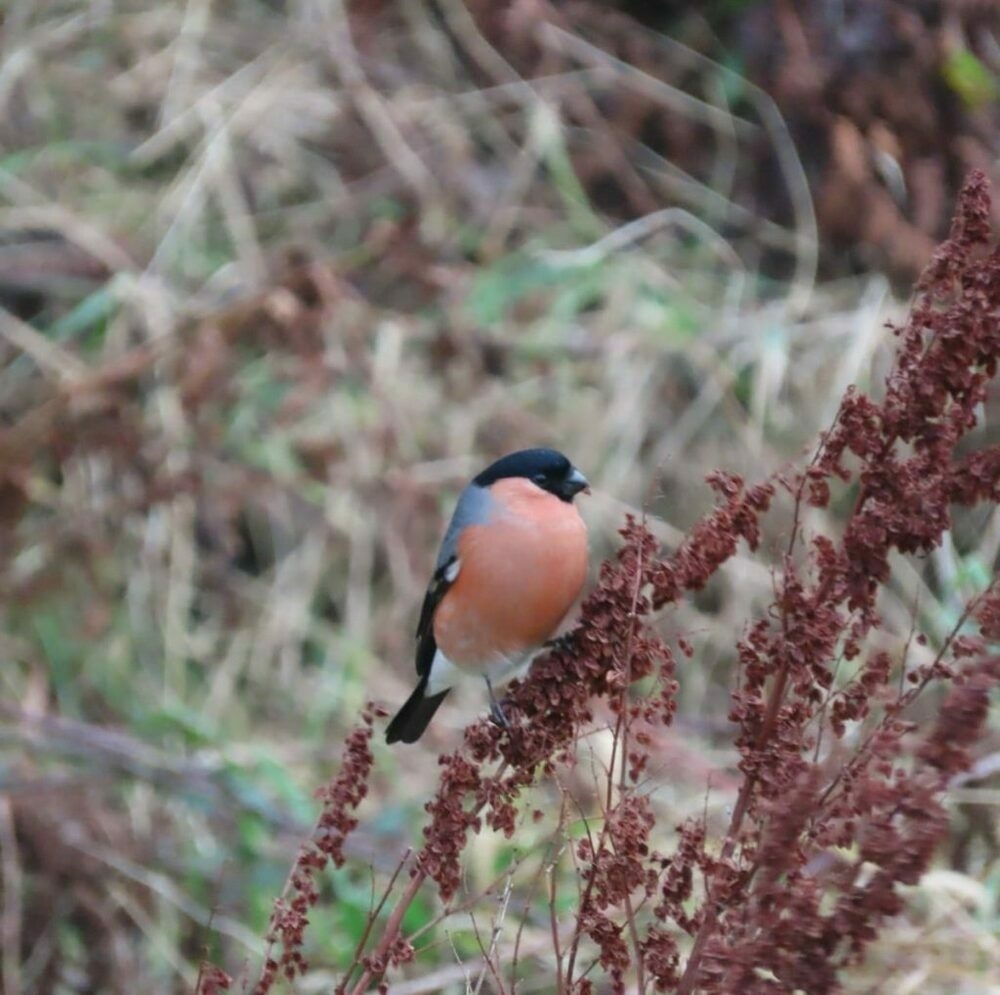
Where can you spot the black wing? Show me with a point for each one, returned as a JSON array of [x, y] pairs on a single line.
[[474, 507], [426, 644]]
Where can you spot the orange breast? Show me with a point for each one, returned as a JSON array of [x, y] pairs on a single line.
[[519, 576]]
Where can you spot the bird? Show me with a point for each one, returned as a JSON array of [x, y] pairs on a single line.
[[512, 563]]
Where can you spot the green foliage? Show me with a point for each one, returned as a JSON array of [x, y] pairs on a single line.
[[498, 289], [88, 320], [970, 78]]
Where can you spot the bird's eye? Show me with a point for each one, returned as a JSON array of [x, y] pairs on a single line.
[[539, 478]]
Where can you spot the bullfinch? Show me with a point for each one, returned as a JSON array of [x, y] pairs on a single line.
[[512, 562]]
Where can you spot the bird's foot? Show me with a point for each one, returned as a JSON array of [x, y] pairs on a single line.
[[562, 644], [497, 714]]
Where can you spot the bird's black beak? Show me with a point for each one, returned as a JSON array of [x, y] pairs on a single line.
[[575, 483]]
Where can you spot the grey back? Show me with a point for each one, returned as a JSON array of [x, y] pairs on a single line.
[[476, 506]]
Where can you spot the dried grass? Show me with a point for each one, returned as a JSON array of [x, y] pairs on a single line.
[[294, 277]]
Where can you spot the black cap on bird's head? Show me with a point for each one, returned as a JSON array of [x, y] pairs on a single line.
[[546, 468]]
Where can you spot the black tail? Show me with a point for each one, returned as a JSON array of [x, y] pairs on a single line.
[[411, 720]]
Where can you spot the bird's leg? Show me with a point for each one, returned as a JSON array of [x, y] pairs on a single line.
[[496, 712], [563, 643]]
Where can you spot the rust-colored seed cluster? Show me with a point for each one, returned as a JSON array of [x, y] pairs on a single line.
[[212, 981], [771, 893], [340, 799], [775, 905]]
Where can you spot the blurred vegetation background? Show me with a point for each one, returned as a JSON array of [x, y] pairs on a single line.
[[277, 278]]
